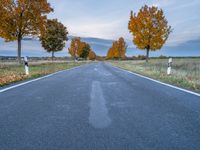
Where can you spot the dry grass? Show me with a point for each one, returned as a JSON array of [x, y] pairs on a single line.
[[10, 72], [185, 72]]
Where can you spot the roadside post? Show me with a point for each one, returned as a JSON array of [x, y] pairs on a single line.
[[26, 65], [169, 69]]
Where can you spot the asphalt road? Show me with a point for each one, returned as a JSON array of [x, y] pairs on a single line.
[[98, 107]]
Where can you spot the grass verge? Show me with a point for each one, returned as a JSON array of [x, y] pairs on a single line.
[[13, 73], [185, 72]]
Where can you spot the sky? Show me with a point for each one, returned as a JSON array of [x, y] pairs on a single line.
[[108, 19]]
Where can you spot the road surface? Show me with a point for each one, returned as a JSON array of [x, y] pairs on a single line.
[[98, 107]]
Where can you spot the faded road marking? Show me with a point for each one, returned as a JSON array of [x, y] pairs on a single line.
[[98, 111]]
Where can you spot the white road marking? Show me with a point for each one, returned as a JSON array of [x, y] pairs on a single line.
[[169, 85], [24, 83], [99, 117]]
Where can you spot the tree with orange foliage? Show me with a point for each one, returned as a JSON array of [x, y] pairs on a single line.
[[118, 49], [121, 47], [74, 46], [21, 18], [85, 50], [149, 28], [92, 55], [110, 53], [79, 48]]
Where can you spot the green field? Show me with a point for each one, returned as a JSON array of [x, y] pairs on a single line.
[[10, 72], [185, 72]]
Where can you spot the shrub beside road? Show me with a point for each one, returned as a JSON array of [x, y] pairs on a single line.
[[10, 72], [185, 72]]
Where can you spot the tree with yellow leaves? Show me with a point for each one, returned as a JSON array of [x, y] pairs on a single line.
[[110, 53], [79, 48], [85, 50], [19, 18], [74, 46], [149, 28], [121, 48], [118, 49]]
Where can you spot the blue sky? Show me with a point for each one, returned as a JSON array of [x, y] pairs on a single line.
[[108, 19]]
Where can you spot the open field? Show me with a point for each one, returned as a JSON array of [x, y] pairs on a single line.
[[185, 72], [10, 72]]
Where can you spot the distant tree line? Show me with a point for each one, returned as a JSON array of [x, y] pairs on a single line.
[[80, 49]]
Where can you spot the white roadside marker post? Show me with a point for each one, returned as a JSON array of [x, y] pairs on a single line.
[[26, 65], [169, 69]]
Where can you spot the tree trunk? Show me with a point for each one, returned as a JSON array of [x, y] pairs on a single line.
[[19, 44], [52, 55], [147, 56]]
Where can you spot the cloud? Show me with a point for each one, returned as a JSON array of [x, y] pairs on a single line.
[[109, 19], [98, 28], [182, 16], [177, 39], [105, 26], [163, 3]]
